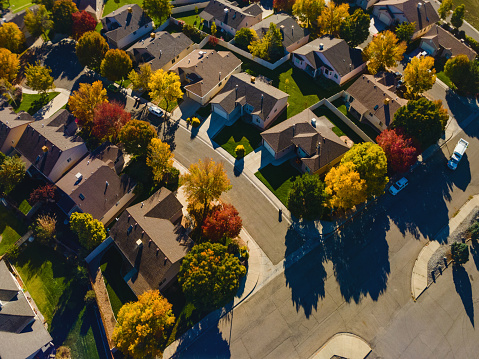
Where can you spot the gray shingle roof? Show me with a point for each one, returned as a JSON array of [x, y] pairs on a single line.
[[9, 119], [423, 17], [128, 22], [233, 17], [444, 39]]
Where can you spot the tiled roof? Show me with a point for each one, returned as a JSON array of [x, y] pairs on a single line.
[[128, 22], [290, 29], [228, 13]]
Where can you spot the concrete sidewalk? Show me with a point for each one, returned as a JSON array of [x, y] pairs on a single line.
[[344, 345]]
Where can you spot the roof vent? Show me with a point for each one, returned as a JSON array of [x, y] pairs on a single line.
[[253, 79], [321, 46], [130, 10], [139, 243], [376, 107], [386, 101], [152, 35], [226, 10], [45, 149], [78, 176], [419, 5], [313, 122]]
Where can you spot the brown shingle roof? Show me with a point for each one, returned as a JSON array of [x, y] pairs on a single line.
[[444, 39], [423, 16], [128, 22], [233, 17], [290, 29], [9, 119]]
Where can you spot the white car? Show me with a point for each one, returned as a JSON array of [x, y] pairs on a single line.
[[155, 110], [398, 186]]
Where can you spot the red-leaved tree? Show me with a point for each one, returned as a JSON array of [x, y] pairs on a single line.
[[283, 5], [399, 149], [43, 194], [213, 41], [224, 222], [82, 22], [108, 119]]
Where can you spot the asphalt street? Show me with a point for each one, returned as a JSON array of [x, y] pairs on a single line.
[[359, 281]]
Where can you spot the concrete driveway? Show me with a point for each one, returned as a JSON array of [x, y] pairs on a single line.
[[186, 109]]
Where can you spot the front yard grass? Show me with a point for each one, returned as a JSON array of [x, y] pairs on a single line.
[[11, 229], [18, 5], [472, 11], [31, 103], [439, 67], [278, 179], [240, 133]]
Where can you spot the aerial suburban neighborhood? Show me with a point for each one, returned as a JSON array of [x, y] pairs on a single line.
[[239, 179]]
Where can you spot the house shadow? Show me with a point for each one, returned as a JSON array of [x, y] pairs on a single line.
[[459, 106], [464, 289], [62, 59]]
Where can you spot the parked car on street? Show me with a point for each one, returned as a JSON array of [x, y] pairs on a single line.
[[459, 151], [398, 186], [155, 110]]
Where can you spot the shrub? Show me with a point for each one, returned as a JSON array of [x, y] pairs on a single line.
[[63, 352], [243, 253], [473, 43], [233, 247], [18, 94], [239, 150], [460, 253], [474, 230], [90, 297], [195, 122]]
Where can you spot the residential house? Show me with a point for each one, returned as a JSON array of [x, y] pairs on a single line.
[[294, 36], [18, 19], [51, 146], [161, 50], [152, 240], [438, 42], [229, 17], [312, 139], [392, 12], [330, 57], [93, 7], [12, 126], [126, 25], [365, 4], [95, 185], [371, 101], [245, 95], [22, 334], [205, 72]]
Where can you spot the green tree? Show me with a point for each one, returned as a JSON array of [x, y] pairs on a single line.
[[47, 3], [38, 21], [423, 120], [370, 162], [270, 47], [90, 232], [12, 171], [307, 197], [140, 79], [116, 65], [244, 36], [9, 65], [209, 276], [136, 136], [457, 17], [444, 9], [329, 22], [463, 73], [11, 37], [165, 86], [39, 78], [308, 11], [459, 253], [419, 75], [344, 187], [160, 159], [384, 51], [45, 228], [158, 9], [62, 16], [355, 28], [405, 30], [91, 50], [83, 101]]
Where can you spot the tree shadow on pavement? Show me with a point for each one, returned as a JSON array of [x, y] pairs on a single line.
[[167, 132], [63, 61], [217, 347], [475, 252], [463, 288]]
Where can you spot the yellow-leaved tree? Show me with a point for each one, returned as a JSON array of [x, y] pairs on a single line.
[[308, 11], [331, 18], [384, 51], [419, 76], [165, 86], [11, 37], [160, 158], [140, 79], [140, 329], [83, 102], [344, 186], [9, 65]]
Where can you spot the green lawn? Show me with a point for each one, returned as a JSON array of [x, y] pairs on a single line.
[[340, 128], [54, 284], [24, 207], [278, 179], [118, 291], [368, 130], [240, 133], [11, 229], [190, 18], [111, 5], [18, 5], [472, 11], [439, 67], [32, 103], [443, 77], [21, 193]]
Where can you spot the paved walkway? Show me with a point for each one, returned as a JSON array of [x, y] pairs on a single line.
[[53, 106], [344, 345]]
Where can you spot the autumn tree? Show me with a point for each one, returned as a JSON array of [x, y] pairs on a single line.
[[12, 171], [457, 17], [44, 228], [62, 16], [307, 197], [82, 23], [116, 65], [91, 50], [47, 3], [84, 100], [345, 187], [399, 149], [370, 162], [384, 51], [222, 223], [160, 159], [11, 37], [308, 11], [158, 9], [446, 6], [270, 46], [423, 120], [136, 136], [209, 276], [283, 5], [42, 194], [204, 183], [419, 75], [108, 119], [331, 18], [213, 29], [38, 21], [165, 86], [140, 331], [244, 37], [463, 73], [355, 28], [39, 78], [9, 65], [90, 232], [140, 79], [405, 30]]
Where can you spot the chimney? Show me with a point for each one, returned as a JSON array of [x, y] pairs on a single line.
[[262, 102], [321, 46], [253, 79], [130, 10], [292, 29], [236, 92], [152, 35], [313, 122], [219, 76], [386, 101], [139, 243]]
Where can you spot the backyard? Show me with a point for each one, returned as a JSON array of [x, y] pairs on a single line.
[[58, 287], [340, 128], [278, 179], [31, 103], [111, 5], [368, 130], [21, 193], [240, 133], [11, 229], [191, 18]]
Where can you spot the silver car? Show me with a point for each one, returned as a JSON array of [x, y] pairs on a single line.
[[155, 110]]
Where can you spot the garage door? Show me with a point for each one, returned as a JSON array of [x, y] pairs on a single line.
[[219, 111]]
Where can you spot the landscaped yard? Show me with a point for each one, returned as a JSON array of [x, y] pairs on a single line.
[[472, 11], [11, 229], [368, 130], [439, 66], [279, 179], [111, 5], [191, 18], [21, 193], [18, 5], [240, 133], [340, 128], [31, 103], [56, 287]]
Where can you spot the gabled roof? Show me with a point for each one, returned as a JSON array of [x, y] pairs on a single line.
[[208, 66], [163, 48], [228, 13], [9, 120], [290, 29], [163, 243], [423, 16], [369, 96], [128, 22], [241, 90], [444, 39], [343, 58], [18, 18]]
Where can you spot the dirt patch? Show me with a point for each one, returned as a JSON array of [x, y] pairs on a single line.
[[103, 301]]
